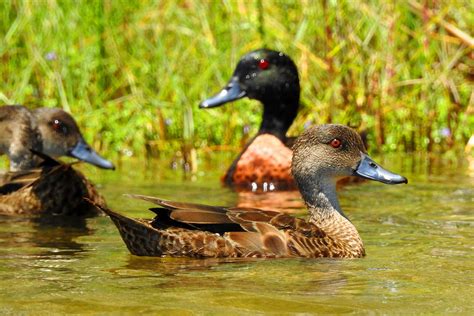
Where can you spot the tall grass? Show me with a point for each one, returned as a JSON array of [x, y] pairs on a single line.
[[133, 72]]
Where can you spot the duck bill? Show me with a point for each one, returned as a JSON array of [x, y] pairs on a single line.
[[231, 92], [84, 152], [371, 170]]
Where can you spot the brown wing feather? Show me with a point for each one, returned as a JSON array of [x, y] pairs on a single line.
[[250, 241], [266, 233], [284, 221], [57, 190], [198, 214], [273, 239], [186, 229], [28, 177], [17, 179], [315, 247], [200, 217], [275, 244], [256, 244], [177, 205], [252, 214]]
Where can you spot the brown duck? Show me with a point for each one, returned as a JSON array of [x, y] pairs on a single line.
[[36, 183], [320, 155]]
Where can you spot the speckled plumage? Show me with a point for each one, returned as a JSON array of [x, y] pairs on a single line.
[[18, 134], [255, 233], [194, 230], [56, 189], [38, 184]]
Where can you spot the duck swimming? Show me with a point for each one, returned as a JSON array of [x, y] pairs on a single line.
[[18, 134], [272, 78], [38, 184], [61, 137], [320, 155]]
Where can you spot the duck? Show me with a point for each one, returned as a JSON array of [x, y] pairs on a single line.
[[270, 77], [18, 134], [320, 155], [37, 183]]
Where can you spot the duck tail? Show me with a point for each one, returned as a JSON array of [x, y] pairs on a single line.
[[138, 235]]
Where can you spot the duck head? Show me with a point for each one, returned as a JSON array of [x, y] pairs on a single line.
[[61, 137], [270, 77], [18, 135], [323, 153]]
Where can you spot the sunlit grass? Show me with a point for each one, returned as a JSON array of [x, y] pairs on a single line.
[[133, 72]]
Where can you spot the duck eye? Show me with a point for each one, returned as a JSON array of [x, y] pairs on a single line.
[[335, 143], [263, 64], [59, 126]]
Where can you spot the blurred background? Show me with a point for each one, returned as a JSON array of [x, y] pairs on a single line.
[[133, 72]]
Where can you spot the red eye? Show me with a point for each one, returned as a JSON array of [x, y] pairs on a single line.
[[336, 143], [263, 64], [58, 126]]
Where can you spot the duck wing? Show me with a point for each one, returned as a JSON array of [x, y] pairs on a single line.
[[52, 188], [197, 230], [251, 231], [14, 181], [215, 219], [205, 231], [245, 217]]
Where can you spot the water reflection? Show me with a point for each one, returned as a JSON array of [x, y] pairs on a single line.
[[172, 266], [60, 233], [418, 240], [53, 236], [307, 276], [289, 202], [285, 201]]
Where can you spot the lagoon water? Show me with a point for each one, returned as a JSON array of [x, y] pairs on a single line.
[[419, 240]]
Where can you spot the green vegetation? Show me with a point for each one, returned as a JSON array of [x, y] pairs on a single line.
[[133, 72]]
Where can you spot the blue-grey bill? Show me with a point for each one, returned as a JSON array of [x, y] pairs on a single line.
[[371, 170], [230, 93], [85, 153]]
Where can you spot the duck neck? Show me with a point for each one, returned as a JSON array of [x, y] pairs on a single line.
[[325, 212], [321, 197], [278, 115]]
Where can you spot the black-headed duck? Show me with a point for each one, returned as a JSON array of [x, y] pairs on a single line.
[[272, 78], [320, 155], [38, 184]]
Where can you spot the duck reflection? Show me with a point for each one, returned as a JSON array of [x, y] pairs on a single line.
[[289, 202], [327, 276], [53, 236], [171, 266]]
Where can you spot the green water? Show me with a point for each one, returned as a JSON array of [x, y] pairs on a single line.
[[419, 240]]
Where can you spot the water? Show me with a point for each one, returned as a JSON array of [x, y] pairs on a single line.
[[418, 237]]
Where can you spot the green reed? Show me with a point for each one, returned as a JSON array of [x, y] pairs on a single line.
[[133, 72]]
